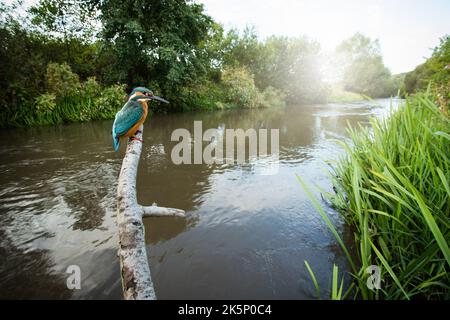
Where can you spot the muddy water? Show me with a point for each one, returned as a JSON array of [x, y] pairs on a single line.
[[246, 234]]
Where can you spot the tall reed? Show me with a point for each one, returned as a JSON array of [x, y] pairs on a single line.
[[392, 188]]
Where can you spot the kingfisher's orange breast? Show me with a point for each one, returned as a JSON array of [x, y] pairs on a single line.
[[134, 128]]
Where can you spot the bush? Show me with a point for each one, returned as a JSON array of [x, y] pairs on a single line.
[[201, 96], [240, 89], [110, 101], [45, 111], [45, 103], [61, 81], [272, 97], [70, 101], [91, 88], [435, 70]]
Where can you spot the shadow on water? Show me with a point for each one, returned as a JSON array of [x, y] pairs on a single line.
[[245, 236], [31, 270]]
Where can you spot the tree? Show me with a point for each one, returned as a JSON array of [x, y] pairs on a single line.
[[293, 65], [154, 42], [64, 19], [363, 70], [287, 64], [240, 88], [436, 69], [21, 69]]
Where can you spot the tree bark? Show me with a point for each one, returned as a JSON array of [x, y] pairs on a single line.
[[135, 271]]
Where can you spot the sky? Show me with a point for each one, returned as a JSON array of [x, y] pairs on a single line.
[[407, 29]]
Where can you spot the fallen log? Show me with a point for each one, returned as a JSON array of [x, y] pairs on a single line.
[[137, 283]]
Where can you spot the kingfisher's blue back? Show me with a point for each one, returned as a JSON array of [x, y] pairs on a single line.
[[125, 119]]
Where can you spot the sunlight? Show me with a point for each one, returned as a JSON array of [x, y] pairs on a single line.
[[405, 38]]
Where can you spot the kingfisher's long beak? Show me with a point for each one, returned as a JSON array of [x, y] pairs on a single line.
[[149, 97], [141, 98], [159, 99]]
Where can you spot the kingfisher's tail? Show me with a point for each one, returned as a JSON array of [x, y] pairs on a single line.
[[116, 144], [115, 139], [115, 135]]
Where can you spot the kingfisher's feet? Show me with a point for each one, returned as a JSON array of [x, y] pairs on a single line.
[[136, 138]]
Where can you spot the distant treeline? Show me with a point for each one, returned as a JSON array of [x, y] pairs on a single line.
[[434, 72], [75, 60]]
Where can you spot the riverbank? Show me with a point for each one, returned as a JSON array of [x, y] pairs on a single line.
[[392, 188], [338, 95], [90, 101]]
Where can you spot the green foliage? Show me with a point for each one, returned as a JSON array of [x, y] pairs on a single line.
[[110, 100], [435, 72], [240, 88], [441, 61], [91, 87], [25, 54], [363, 70], [368, 76], [61, 81], [45, 104], [392, 187], [291, 65], [418, 79], [205, 95], [435, 69], [21, 72], [338, 95], [294, 67], [336, 291], [68, 100], [63, 19], [397, 84], [173, 47], [159, 41], [240, 91], [272, 97]]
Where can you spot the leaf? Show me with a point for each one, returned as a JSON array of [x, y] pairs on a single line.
[[313, 279]]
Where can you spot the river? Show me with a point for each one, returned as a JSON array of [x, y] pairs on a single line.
[[245, 236]]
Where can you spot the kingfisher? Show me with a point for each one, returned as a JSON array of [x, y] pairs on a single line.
[[132, 115]]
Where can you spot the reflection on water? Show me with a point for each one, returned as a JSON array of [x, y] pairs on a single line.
[[246, 235]]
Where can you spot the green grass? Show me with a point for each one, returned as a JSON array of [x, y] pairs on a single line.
[[392, 188], [338, 95], [313, 277], [79, 107], [336, 291]]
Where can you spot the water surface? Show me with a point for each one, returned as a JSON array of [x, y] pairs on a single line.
[[246, 234]]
